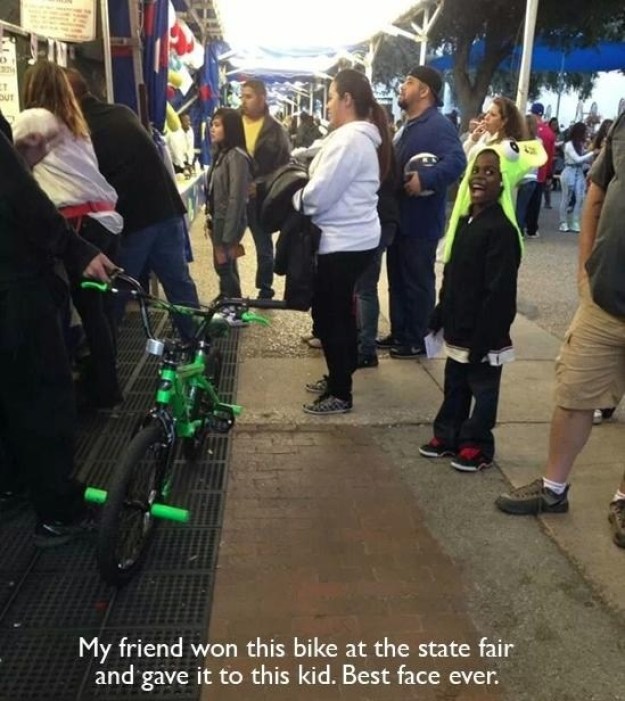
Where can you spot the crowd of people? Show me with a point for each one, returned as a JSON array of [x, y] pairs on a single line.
[[105, 199]]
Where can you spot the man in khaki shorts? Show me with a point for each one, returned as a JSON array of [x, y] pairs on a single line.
[[590, 370]]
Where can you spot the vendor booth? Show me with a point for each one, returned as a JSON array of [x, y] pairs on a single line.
[[157, 57]]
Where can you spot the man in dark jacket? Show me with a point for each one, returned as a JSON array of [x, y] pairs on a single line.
[[268, 144], [154, 229], [411, 258], [37, 410]]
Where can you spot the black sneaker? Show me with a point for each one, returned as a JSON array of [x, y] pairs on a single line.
[[319, 386], [471, 460], [367, 361], [12, 504], [327, 404], [436, 449], [406, 352], [617, 519], [51, 534], [386, 341], [533, 499]]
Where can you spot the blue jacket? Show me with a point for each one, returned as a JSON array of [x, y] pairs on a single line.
[[430, 132]]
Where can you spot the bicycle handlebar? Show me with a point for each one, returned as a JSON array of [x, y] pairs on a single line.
[[206, 313]]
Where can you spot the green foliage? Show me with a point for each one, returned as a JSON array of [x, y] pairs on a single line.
[[394, 58], [575, 23]]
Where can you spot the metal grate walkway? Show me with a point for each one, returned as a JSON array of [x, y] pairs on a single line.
[[48, 600]]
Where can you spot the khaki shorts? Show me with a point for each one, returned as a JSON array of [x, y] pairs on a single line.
[[590, 370]]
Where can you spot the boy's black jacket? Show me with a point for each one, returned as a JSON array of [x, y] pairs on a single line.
[[477, 302]]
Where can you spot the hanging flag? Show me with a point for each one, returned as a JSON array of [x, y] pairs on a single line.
[[155, 59], [209, 94]]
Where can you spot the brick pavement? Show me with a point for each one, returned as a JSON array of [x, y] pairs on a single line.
[[322, 539]]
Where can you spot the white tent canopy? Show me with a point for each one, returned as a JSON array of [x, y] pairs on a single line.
[[331, 23]]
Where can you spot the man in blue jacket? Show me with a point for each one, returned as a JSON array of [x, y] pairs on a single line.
[[411, 258]]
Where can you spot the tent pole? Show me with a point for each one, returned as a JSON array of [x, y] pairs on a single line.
[[106, 41], [528, 48], [423, 44], [560, 87]]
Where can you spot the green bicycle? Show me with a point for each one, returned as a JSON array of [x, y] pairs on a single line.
[[187, 408]]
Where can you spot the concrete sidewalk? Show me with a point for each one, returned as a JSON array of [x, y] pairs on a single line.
[[336, 527]]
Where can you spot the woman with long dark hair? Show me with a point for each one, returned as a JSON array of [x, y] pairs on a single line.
[[341, 198], [602, 132], [572, 178], [68, 173], [227, 188], [501, 121]]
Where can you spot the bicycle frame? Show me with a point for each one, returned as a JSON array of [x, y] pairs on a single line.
[[179, 382]]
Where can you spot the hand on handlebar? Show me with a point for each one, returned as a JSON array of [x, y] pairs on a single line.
[[100, 268]]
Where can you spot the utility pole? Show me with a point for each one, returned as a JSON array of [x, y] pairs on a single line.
[[528, 48]]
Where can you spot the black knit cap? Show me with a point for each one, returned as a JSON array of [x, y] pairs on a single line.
[[430, 77]]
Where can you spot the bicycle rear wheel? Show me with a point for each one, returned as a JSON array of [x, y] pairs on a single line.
[[193, 447], [126, 524]]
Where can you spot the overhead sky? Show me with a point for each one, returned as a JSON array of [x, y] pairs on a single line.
[[283, 24]]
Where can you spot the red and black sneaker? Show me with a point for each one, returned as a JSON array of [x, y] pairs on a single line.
[[436, 449], [471, 460]]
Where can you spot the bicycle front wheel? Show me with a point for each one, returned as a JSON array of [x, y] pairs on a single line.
[[126, 523]]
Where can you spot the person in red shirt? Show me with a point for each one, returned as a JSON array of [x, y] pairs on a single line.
[[548, 138]]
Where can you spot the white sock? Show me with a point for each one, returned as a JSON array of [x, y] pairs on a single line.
[[555, 487], [619, 496]]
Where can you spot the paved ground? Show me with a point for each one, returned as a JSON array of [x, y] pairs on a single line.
[[339, 530]]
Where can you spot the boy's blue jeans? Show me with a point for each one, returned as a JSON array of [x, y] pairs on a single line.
[[455, 424]]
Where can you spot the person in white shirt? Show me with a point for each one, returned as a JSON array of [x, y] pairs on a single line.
[[181, 143], [341, 198], [573, 177], [68, 173]]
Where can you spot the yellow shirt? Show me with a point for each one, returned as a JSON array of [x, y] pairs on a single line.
[[252, 130]]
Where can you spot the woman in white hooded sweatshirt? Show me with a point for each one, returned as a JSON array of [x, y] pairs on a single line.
[[341, 198]]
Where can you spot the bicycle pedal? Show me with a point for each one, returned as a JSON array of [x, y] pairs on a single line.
[[221, 421]]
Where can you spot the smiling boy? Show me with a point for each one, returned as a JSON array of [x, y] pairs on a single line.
[[476, 308]]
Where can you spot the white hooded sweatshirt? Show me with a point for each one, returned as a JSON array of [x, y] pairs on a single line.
[[341, 196]]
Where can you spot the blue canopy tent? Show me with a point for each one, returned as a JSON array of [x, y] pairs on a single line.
[[286, 65], [602, 57]]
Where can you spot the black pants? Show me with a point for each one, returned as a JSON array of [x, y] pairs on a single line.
[[334, 315], [229, 281], [37, 408], [97, 312], [264, 251], [455, 424], [533, 210], [412, 287]]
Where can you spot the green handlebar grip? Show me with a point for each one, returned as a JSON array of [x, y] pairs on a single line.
[[255, 318], [236, 409], [91, 285], [171, 513], [95, 495]]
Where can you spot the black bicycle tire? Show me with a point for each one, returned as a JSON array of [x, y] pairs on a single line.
[[111, 515], [192, 447]]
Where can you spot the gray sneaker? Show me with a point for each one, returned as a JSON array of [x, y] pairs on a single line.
[[617, 519], [319, 386], [533, 499], [328, 404]]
